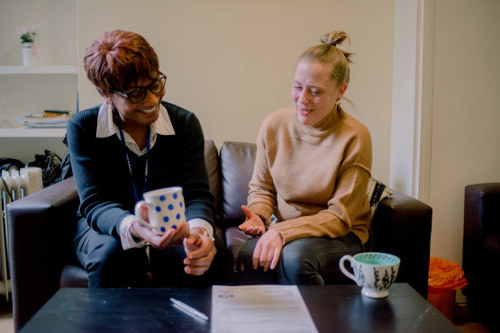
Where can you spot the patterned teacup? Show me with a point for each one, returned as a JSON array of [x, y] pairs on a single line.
[[374, 271], [166, 209]]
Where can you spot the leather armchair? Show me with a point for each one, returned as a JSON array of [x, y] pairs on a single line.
[[40, 245], [41, 229], [481, 251]]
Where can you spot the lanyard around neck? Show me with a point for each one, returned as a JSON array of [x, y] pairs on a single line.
[[146, 168]]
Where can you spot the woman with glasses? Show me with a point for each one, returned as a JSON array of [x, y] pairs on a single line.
[[133, 143], [312, 169]]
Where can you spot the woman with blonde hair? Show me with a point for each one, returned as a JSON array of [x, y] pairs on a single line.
[[311, 173]]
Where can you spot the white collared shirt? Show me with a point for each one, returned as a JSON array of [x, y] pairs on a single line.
[[163, 126], [106, 128]]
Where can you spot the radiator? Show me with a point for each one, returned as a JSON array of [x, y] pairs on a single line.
[[14, 185]]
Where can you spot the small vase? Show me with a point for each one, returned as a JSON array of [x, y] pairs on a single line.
[[28, 57]]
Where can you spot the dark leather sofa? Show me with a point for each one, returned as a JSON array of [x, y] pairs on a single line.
[[481, 252], [41, 228]]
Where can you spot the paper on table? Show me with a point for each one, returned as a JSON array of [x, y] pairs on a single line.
[[259, 308]]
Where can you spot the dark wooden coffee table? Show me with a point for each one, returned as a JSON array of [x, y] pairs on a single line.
[[334, 308]]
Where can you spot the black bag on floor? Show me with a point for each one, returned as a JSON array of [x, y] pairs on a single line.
[[50, 163]]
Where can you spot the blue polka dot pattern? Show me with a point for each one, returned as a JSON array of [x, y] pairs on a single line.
[[174, 211], [168, 208]]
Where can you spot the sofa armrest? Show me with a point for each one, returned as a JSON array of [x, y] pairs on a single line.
[[481, 213], [40, 240], [402, 226], [481, 221]]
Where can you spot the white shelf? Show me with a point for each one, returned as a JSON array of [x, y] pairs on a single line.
[[22, 132], [37, 70]]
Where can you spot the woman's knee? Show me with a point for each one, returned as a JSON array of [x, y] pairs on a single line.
[[315, 260], [246, 274], [298, 265], [245, 254]]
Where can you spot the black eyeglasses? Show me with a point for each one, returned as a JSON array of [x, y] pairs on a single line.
[[139, 94]]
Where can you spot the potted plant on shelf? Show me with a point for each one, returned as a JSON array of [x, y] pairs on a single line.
[[27, 37]]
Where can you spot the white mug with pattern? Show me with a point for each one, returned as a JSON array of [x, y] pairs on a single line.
[[374, 271]]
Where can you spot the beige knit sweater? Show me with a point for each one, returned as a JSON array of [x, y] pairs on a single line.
[[313, 178]]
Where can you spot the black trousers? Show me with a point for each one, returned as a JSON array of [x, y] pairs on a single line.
[[108, 265]]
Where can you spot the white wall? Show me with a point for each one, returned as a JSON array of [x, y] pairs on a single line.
[[403, 119], [466, 113], [232, 62]]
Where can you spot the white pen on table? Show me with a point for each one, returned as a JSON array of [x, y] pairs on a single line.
[[188, 309]]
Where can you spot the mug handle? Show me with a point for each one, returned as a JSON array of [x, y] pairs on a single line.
[[137, 212], [345, 271]]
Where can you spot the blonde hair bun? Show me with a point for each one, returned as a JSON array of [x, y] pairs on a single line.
[[333, 38], [327, 53]]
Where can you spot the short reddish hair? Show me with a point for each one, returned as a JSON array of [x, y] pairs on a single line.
[[118, 59]]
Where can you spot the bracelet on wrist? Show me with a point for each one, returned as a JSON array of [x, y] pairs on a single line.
[[264, 220]]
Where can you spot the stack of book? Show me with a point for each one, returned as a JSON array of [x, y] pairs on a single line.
[[49, 119]]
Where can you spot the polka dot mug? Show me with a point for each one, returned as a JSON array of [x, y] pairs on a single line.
[[166, 209]]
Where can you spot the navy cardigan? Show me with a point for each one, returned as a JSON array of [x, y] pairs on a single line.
[[103, 180]]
